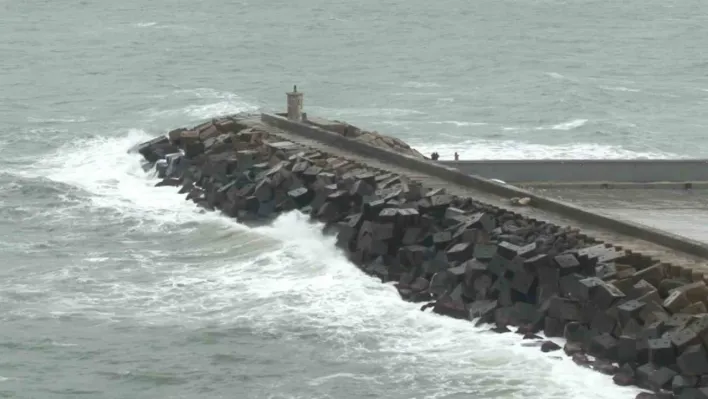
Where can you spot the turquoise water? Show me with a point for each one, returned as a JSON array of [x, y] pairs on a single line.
[[113, 289]]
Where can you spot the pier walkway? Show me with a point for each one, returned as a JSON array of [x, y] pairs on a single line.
[[652, 249]]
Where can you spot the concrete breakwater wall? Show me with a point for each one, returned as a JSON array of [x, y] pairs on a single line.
[[587, 170], [456, 176], [645, 323]]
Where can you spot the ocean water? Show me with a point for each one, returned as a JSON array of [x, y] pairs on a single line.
[[111, 288]]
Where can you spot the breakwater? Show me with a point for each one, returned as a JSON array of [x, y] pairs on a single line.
[[621, 313]]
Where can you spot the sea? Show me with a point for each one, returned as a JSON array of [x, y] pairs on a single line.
[[110, 288]]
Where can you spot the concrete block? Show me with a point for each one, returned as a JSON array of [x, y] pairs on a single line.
[[571, 287], [527, 314], [502, 287], [482, 220], [661, 352], [605, 295], [605, 271], [538, 262], [575, 332], [408, 217], [626, 349], [523, 282], [451, 308], [482, 287], [700, 326], [632, 328], [475, 236], [382, 231], [553, 327], [441, 283], [586, 287], [652, 312], [653, 274], [564, 309], [442, 239], [696, 291], [654, 330], [641, 288], [629, 310], [624, 376], [684, 338], [678, 321], [473, 269], [693, 361], [361, 189], [484, 252], [695, 308], [497, 266], [460, 252], [604, 346], [681, 383], [503, 317], [482, 308], [437, 264], [414, 255], [301, 196], [643, 372], [661, 378], [567, 264], [514, 265], [676, 301], [603, 323], [669, 284], [412, 235]]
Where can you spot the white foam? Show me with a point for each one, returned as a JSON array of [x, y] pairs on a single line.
[[307, 285], [620, 88], [145, 24], [555, 75], [213, 103], [288, 278], [78, 119], [113, 179], [570, 125], [420, 85], [459, 123]]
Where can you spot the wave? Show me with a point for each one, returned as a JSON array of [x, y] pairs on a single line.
[[620, 88], [420, 85], [285, 280], [570, 125], [459, 123], [212, 103], [79, 119]]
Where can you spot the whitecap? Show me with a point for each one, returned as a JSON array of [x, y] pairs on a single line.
[[620, 88], [420, 85], [33, 119], [570, 125], [555, 75], [226, 103], [458, 123]]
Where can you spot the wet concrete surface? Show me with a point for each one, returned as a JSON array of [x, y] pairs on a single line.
[[683, 212]]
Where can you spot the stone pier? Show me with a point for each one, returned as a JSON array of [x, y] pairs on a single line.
[[630, 301]]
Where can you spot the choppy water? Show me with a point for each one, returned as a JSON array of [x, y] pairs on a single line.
[[113, 289]]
